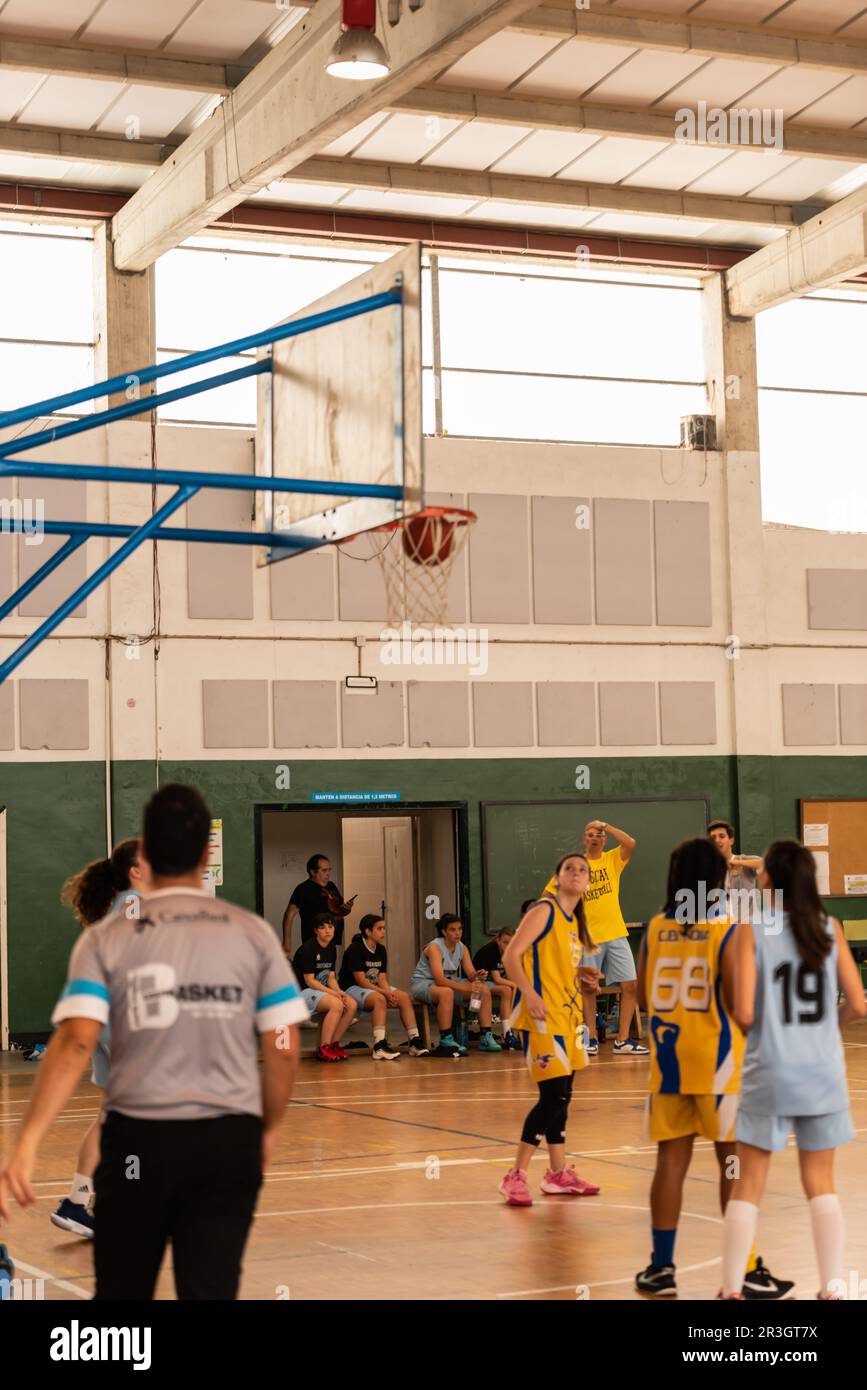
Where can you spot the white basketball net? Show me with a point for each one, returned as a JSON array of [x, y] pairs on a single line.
[[417, 557]]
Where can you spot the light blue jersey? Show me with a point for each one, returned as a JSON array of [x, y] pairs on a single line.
[[452, 963], [794, 1060]]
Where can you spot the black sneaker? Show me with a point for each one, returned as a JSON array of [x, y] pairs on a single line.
[[417, 1048], [384, 1052], [357, 1046], [445, 1050], [656, 1279], [760, 1284]]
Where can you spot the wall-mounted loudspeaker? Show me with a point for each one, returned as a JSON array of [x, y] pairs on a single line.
[[698, 432]]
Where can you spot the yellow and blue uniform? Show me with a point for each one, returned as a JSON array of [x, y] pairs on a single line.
[[602, 897], [696, 1048], [556, 1047]]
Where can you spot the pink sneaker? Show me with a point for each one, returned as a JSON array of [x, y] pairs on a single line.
[[567, 1184], [515, 1188]]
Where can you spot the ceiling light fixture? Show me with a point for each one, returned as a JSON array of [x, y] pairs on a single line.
[[358, 53]]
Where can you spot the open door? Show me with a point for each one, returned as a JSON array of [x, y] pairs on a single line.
[[401, 937]]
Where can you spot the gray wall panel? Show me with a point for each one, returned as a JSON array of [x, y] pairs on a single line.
[[54, 714], [567, 714], [837, 600], [853, 714], [7, 715], [809, 715], [687, 712], [303, 587], [63, 500], [683, 591], [305, 714], [220, 577], [562, 562], [439, 714], [373, 719], [623, 560], [627, 713], [499, 560], [235, 714], [503, 714]]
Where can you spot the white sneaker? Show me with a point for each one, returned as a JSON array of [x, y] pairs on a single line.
[[384, 1052], [630, 1048]]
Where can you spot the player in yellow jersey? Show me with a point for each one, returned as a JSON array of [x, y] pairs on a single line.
[[544, 960], [613, 955], [686, 982]]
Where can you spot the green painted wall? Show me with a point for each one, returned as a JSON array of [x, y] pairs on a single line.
[[56, 820]]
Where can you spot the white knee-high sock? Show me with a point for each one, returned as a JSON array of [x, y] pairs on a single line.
[[739, 1232], [829, 1238]]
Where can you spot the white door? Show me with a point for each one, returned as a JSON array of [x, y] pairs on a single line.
[[401, 938]]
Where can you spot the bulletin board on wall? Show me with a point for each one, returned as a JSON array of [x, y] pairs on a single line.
[[835, 830]]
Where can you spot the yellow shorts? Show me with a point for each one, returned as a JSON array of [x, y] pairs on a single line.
[[672, 1117], [550, 1055]]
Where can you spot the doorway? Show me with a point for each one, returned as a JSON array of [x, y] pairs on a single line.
[[409, 866]]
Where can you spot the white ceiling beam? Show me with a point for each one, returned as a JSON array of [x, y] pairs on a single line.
[[113, 64], [573, 117], [287, 110], [82, 146], [702, 40], [829, 248], [553, 193]]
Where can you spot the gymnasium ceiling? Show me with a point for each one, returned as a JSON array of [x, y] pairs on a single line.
[[564, 120]]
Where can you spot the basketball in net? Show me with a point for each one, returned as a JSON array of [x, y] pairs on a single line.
[[417, 559]]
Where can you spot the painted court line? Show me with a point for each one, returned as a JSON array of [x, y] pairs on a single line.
[[52, 1279]]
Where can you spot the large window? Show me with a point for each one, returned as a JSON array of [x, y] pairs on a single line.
[[46, 313], [213, 291], [812, 368], [531, 352]]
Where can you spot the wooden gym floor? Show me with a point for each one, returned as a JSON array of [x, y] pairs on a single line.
[[351, 1208]]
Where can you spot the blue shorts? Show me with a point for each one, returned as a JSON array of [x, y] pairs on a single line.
[[421, 989], [311, 998], [614, 959], [360, 994], [812, 1132]]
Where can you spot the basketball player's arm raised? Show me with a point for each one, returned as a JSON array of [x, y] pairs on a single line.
[[529, 931], [59, 1073], [849, 979], [626, 842]]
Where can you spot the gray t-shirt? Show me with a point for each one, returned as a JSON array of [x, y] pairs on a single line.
[[743, 897], [187, 987]]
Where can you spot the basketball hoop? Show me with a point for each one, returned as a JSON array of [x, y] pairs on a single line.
[[417, 559]]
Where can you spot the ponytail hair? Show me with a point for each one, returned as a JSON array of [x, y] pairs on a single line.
[[91, 892], [792, 871], [580, 916], [696, 868]]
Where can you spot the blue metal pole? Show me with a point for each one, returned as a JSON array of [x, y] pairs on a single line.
[[242, 482], [137, 407], [43, 572], [197, 359], [142, 533], [114, 530]]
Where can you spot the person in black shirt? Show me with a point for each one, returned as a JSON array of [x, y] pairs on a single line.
[[488, 961], [363, 976], [316, 895], [315, 963]]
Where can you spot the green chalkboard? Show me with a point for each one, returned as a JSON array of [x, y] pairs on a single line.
[[522, 841]]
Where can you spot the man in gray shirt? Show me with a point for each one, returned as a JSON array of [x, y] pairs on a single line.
[[742, 871], [190, 985]]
